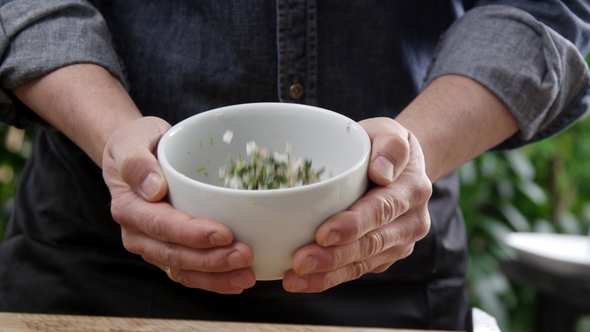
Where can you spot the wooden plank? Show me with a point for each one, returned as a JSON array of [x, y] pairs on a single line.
[[19, 322]]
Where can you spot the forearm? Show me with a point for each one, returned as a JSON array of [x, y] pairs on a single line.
[[485, 85], [83, 101], [539, 76], [38, 37], [455, 119]]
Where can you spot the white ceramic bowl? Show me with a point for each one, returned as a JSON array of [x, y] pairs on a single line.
[[274, 223]]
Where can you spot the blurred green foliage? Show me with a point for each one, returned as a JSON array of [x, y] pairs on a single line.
[[537, 188], [15, 147]]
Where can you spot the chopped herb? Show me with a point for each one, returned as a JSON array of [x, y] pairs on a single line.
[[263, 170], [228, 136]]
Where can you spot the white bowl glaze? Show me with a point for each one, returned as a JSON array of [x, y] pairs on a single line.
[[274, 223]]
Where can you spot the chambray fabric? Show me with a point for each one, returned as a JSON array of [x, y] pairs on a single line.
[[62, 251], [530, 76], [40, 36]]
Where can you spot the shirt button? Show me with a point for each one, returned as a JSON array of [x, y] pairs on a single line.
[[296, 91]]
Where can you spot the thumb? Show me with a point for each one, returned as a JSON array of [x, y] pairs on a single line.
[[153, 187], [132, 150], [390, 149]]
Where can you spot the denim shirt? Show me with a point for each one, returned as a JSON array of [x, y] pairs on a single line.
[[177, 58]]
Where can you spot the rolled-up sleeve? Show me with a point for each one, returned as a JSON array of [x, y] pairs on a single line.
[[539, 75], [39, 36]]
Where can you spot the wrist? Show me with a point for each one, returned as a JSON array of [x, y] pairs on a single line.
[[83, 101], [455, 119]]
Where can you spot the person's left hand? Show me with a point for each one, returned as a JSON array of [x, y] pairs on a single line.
[[381, 227]]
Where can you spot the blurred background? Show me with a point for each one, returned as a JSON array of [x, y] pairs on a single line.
[[542, 187]]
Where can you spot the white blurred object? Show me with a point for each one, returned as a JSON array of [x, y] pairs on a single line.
[[564, 254], [15, 139], [227, 136], [483, 322]]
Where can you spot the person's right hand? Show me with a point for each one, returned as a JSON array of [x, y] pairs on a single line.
[[201, 253]]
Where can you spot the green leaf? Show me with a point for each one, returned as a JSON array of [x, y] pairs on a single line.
[[533, 191], [569, 224], [518, 221], [520, 164], [468, 173], [543, 226]]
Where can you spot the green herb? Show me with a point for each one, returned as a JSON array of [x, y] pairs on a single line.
[[263, 170]]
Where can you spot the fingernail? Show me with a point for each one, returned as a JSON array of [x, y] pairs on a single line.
[[309, 264], [236, 260], [151, 184], [217, 240], [384, 167], [299, 285], [239, 282], [332, 238]]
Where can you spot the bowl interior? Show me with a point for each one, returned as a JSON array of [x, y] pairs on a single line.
[[195, 147]]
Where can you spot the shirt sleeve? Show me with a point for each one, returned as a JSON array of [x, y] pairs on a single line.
[[37, 37], [539, 75]]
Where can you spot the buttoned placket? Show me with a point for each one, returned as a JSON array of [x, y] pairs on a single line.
[[297, 51]]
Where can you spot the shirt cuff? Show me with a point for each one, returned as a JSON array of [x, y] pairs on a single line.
[[540, 76], [37, 37]]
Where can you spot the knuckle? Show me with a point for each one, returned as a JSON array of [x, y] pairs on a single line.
[[187, 279], [221, 285], [398, 137], [422, 226], [384, 211], [122, 210], [169, 253], [356, 225], [425, 188], [407, 251], [330, 280], [129, 163], [207, 265], [338, 259], [402, 146], [372, 244], [118, 211], [357, 269], [382, 268], [387, 210], [130, 244], [157, 228], [420, 192], [134, 167], [180, 276]]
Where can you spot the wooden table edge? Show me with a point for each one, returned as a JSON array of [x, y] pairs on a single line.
[[28, 322]]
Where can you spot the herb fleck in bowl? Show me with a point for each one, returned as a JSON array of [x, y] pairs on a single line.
[[274, 223]]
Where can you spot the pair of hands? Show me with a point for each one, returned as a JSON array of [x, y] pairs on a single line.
[[379, 229], [454, 118]]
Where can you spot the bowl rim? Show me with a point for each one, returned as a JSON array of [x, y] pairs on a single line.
[[164, 163]]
